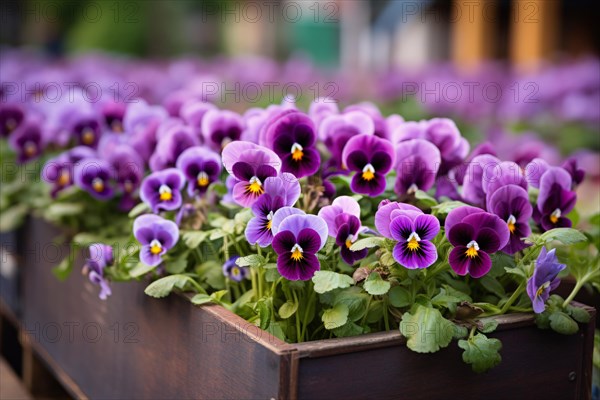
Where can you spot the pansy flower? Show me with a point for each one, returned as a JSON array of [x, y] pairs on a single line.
[[480, 149], [387, 211], [251, 165], [291, 135], [414, 232], [481, 168], [156, 235], [233, 271], [170, 146], [59, 171], [11, 117], [371, 158], [555, 199], [280, 191], [219, 127], [87, 130], [192, 112], [201, 167], [96, 177], [380, 124], [101, 256], [511, 204], [544, 279], [161, 190], [534, 171], [505, 173], [336, 130], [343, 224], [577, 174], [417, 162], [321, 108], [129, 170], [297, 242], [27, 141], [113, 114], [475, 234]]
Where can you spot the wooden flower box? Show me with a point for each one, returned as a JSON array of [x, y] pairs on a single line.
[[135, 346]]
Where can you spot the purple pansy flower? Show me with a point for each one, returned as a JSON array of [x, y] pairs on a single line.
[[280, 191], [417, 162], [129, 169], [297, 242], [59, 171], [96, 177], [480, 168], [544, 279], [505, 173], [219, 127], [511, 204], [11, 117], [251, 165], [86, 129], [156, 235], [387, 211], [291, 134], [371, 158], [577, 174], [414, 232], [201, 167], [336, 130], [27, 141], [193, 112], [320, 109], [380, 123], [534, 171], [343, 223], [161, 190], [475, 234], [170, 146], [480, 149], [555, 199], [233, 271], [101, 256], [113, 113]]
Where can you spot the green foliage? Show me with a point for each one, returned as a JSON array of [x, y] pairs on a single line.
[[481, 352], [375, 285], [335, 317], [164, 286], [426, 329], [326, 281]]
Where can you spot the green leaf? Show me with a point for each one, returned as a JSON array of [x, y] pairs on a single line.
[[399, 297], [139, 209], [562, 323], [355, 299], [201, 298], [481, 352], [253, 260], [163, 286], [58, 210], [426, 329], [335, 317], [579, 314], [218, 295], [140, 269], [563, 235], [492, 285], [326, 281], [488, 325], [288, 309], [176, 266], [264, 314], [349, 329], [425, 200], [12, 218], [447, 206], [375, 285], [192, 239], [367, 243], [63, 270]]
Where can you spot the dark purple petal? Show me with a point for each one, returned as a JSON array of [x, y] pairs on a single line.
[[401, 228], [422, 257], [461, 234], [372, 187], [462, 264], [303, 269], [488, 240], [426, 226], [458, 214]]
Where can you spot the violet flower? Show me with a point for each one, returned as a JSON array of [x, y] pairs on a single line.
[[577, 174], [219, 127], [11, 117], [297, 242], [475, 234], [113, 113], [251, 165], [414, 232], [291, 135], [371, 158], [233, 271], [555, 199], [129, 170], [380, 124], [335, 131], [161, 190], [505, 173], [480, 149], [59, 171], [87, 130], [544, 279], [168, 149], [387, 211], [480, 168], [201, 167], [321, 108], [343, 224], [27, 141], [101, 256], [156, 235], [96, 177], [534, 171], [511, 204], [280, 191], [417, 162]]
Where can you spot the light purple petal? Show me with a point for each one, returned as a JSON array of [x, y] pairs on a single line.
[[296, 223]]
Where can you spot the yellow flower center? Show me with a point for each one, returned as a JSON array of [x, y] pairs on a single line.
[[541, 289], [472, 249], [555, 216], [30, 149], [203, 179], [349, 241], [269, 220], [87, 136], [63, 178], [98, 185], [255, 186], [128, 186], [155, 247], [235, 271], [165, 193], [297, 253], [10, 124], [368, 172], [510, 222], [297, 152], [413, 241]]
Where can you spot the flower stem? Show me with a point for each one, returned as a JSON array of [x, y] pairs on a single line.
[[512, 298], [575, 290]]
